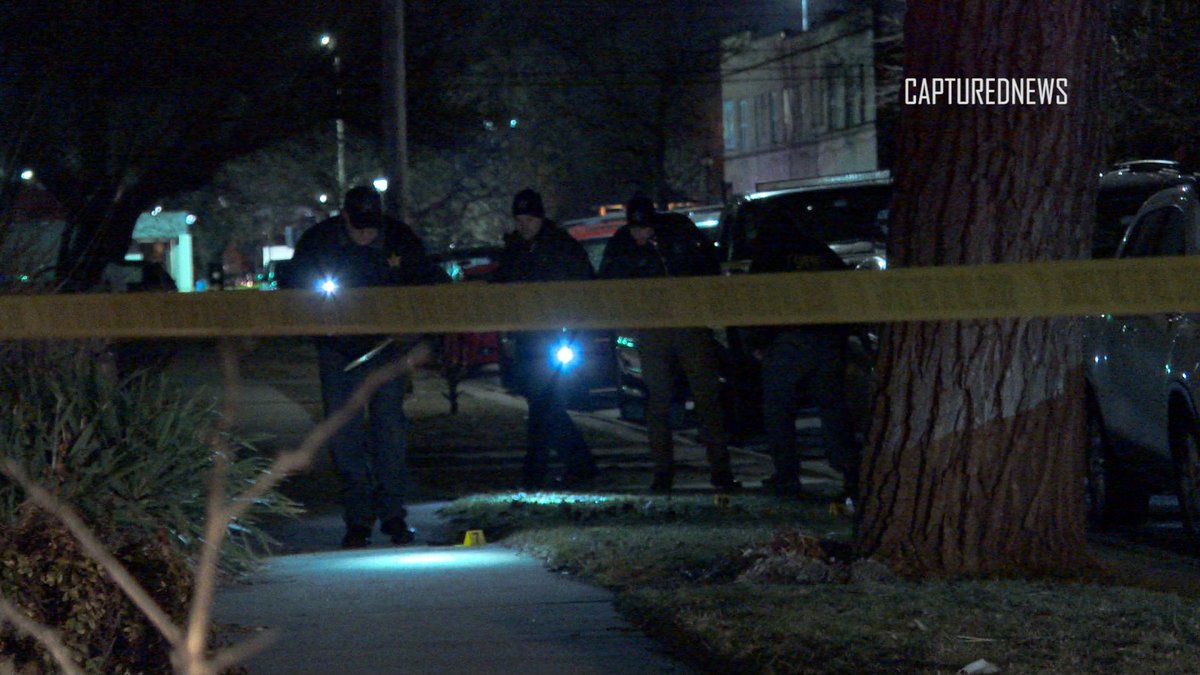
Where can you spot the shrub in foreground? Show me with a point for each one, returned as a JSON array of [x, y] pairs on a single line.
[[133, 458]]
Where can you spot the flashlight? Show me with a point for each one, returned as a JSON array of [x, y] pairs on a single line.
[[565, 355], [328, 285]]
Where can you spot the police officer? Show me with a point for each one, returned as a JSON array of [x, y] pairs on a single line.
[[539, 250], [654, 244], [798, 359], [361, 246]]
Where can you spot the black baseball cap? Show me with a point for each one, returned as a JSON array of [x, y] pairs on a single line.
[[363, 206]]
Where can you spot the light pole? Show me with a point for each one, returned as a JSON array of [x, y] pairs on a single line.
[[329, 43], [395, 132]]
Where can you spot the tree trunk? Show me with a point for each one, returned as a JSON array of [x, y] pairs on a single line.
[[974, 464]]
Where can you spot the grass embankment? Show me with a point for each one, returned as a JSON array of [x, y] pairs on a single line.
[[762, 586]]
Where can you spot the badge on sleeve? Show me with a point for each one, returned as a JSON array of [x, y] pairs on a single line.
[[394, 260]]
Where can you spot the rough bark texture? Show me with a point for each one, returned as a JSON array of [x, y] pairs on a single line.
[[974, 464]]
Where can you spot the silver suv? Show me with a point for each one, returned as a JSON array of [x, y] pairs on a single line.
[[1142, 378]]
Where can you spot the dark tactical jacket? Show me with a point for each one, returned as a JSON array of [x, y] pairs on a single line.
[[396, 258]]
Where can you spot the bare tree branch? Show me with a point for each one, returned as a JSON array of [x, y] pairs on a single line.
[[47, 636]]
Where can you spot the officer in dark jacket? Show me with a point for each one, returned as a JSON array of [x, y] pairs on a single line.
[[361, 246], [654, 244], [799, 359], [539, 250]]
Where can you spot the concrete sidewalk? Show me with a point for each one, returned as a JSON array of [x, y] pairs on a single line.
[[430, 609], [419, 609]]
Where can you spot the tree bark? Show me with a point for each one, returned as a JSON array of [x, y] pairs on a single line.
[[974, 463]]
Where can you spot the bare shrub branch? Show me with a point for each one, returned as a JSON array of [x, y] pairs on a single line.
[[189, 648], [47, 636]]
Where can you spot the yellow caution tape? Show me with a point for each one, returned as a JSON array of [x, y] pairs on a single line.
[[1146, 285]]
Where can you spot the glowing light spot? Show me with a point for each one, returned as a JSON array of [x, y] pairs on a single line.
[[565, 355]]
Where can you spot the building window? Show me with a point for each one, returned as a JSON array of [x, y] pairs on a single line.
[[776, 99], [816, 104], [798, 131], [788, 99], [836, 97], [855, 94], [744, 124], [762, 121], [729, 112]]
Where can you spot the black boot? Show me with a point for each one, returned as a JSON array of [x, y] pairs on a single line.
[[356, 536], [399, 531]]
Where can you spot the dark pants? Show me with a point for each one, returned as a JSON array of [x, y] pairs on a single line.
[[369, 451], [692, 350], [812, 361], [546, 388]]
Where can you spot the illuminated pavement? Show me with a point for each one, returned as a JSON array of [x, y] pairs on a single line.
[[431, 609]]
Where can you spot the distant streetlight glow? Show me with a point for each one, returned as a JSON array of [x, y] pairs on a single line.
[[327, 41], [512, 124], [323, 198], [27, 174], [380, 184], [190, 219]]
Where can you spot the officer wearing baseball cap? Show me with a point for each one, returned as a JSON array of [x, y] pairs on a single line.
[[362, 246]]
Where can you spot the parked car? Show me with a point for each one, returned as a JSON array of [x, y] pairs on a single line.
[[1123, 189], [1142, 375], [850, 214]]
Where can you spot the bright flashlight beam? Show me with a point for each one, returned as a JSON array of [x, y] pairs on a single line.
[[565, 354], [328, 286]]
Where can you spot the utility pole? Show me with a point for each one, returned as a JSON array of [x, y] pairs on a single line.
[[329, 43], [395, 132]]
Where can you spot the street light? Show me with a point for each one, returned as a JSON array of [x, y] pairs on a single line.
[[329, 43]]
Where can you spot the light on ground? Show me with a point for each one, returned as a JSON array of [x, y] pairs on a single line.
[[429, 560]]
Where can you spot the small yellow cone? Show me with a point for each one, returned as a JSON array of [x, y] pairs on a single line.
[[474, 538]]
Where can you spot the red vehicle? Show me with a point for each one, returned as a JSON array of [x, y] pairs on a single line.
[[467, 353], [594, 233]]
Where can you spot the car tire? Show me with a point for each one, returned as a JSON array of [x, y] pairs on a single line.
[[1185, 445], [1114, 497]]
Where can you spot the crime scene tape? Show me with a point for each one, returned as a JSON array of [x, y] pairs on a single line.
[[1135, 286]]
